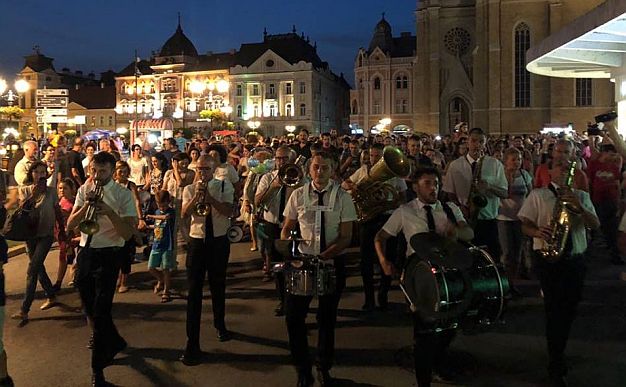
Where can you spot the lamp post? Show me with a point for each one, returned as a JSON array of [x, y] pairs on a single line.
[[254, 125], [21, 86], [384, 122]]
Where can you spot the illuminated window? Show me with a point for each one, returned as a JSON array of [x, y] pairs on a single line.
[[288, 88], [522, 76], [255, 111], [272, 110], [255, 90], [288, 110], [239, 91]]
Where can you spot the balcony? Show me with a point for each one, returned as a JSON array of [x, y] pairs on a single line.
[[271, 96]]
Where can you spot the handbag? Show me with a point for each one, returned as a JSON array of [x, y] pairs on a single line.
[[22, 224]]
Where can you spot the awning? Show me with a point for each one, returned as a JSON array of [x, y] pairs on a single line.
[[226, 133], [152, 124], [592, 46]]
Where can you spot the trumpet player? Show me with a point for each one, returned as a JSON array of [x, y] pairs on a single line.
[[561, 279], [476, 182], [208, 202], [112, 218], [272, 196], [367, 231]]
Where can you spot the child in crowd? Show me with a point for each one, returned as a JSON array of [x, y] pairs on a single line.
[[66, 190], [162, 254]]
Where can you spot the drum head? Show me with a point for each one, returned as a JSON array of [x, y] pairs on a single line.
[[441, 251], [424, 287], [235, 234]]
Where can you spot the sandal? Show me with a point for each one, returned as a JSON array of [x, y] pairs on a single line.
[[165, 297], [157, 288]]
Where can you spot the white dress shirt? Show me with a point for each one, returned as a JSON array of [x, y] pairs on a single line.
[[411, 219], [121, 200], [222, 191], [226, 172], [342, 211], [363, 172], [458, 181], [538, 208], [21, 170]]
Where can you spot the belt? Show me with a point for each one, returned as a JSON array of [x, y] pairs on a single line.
[[105, 249]]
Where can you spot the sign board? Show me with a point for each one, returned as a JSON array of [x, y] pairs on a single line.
[[51, 112], [52, 92], [52, 120], [79, 120], [45, 102]]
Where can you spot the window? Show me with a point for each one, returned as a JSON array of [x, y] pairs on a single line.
[[255, 91], [302, 87], [272, 89], [405, 82], [255, 111], [272, 110], [398, 83], [398, 106], [239, 111], [239, 91], [110, 120], [355, 107], [288, 88], [376, 83], [376, 106], [302, 109], [288, 110], [583, 92], [404, 106], [101, 120], [522, 76]]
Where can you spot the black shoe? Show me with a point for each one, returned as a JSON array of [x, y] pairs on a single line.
[[56, 287], [305, 380], [191, 358], [280, 310], [224, 335], [324, 379], [6, 382], [383, 302], [97, 379], [118, 347]]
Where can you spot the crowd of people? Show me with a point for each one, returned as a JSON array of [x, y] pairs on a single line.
[[183, 198]]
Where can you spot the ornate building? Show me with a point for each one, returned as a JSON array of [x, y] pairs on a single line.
[[279, 82], [471, 67], [384, 86]]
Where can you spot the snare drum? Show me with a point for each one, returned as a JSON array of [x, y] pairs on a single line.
[[449, 297], [309, 277]]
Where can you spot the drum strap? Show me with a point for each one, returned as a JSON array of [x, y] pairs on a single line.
[[449, 213]]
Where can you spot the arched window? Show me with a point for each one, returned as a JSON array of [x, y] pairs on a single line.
[[239, 111], [288, 110], [255, 111], [302, 109], [355, 107], [522, 76], [405, 82], [398, 82], [376, 83], [272, 110], [239, 91]]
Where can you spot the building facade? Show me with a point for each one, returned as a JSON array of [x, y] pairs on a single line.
[[471, 67], [280, 82], [384, 86]]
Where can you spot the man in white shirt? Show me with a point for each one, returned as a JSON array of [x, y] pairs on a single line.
[[369, 228], [492, 186], [208, 252], [325, 214], [99, 258], [273, 196], [414, 218], [562, 280], [21, 168]]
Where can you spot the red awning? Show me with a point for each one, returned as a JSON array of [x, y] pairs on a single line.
[[152, 124], [226, 132]]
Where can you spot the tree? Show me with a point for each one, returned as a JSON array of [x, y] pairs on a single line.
[[12, 112], [216, 117]]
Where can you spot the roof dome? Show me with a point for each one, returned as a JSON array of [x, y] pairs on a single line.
[[382, 36], [178, 44]]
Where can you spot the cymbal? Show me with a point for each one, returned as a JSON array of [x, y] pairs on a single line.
[[440, 250]]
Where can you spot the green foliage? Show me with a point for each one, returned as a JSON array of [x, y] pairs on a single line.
[[217, 117], [12, 112]]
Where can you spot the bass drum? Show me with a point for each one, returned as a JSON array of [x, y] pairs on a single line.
[[235, 234], [449, 297]]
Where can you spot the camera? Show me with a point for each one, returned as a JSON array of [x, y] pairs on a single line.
[[610, 116], [593, 130]]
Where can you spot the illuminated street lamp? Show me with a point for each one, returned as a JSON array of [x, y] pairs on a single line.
[[254, 125], [21, 86]]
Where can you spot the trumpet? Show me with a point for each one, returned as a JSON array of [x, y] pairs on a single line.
[[89, 225], [202, 208]]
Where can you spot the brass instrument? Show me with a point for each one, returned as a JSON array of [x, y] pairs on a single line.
[[475, 200], [560, 224], [89, 225], [289, 175], [202, 208], [373, 195]]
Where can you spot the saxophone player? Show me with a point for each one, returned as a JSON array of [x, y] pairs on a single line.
[[561, 279], [99, 259], [476, 178]]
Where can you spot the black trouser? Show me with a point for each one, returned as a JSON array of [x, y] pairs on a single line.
[[206, 257], [608, 213], [429, 348], [486, 234], [296, 309], [128, 256], [562, 285], [96, 278], [367, 233]]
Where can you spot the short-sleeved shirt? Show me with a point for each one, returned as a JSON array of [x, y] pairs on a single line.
[[21, 170], [164, 230], [222, 191], [226, 172], [538, 208], [458, 181], [604, 178], [343, 211], [395, 182], [265, 182], [411, 219], [518, 190], [138, 170], [121, 200], [75, 161]]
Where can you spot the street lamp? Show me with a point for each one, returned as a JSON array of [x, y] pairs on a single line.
[[21, 86], [254, 125]]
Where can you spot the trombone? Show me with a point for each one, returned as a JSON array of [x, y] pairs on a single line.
[[289, 175]]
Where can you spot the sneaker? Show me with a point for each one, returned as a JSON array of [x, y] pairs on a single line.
[[122, 289], [23, 317], [50, 302]]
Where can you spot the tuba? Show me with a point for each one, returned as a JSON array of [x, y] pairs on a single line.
[[560, 224], [372, 195], [89, 225]]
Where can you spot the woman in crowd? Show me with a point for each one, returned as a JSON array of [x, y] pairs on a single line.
[[90, 150], [46, 202], [49, 153], [138, 165], [154, 182], [175, 180], [66, 191], [193, 153]]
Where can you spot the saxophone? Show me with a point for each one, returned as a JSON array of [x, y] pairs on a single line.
[[475, 200], [560, 224]]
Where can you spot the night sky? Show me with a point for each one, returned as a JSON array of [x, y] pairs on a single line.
[[91, 35]]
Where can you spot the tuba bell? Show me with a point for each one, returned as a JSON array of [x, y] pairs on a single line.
[[372, 195]]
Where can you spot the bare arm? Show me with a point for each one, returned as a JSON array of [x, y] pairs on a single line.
[[339, 244], [288, 227], [380, 240]]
